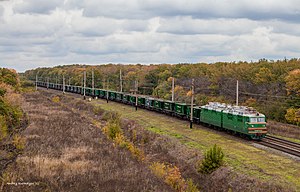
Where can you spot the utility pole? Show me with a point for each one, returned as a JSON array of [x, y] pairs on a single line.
[[173, 89], [63, 84], [84, 84], [93, 83], [192, 104], [237, 92], [47, 82], [121, 83], [135, 92], [107, 91], [36, 81]]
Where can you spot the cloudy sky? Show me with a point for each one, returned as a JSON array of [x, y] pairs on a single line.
[[38, 33]]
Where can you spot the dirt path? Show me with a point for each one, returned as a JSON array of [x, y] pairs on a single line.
[[65, 152]]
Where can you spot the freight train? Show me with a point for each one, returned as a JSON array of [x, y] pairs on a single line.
[[241, 120]]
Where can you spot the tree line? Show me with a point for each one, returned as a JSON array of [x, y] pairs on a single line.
[[272, 87]]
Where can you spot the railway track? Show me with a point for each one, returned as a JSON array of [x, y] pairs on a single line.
[[281, 145]]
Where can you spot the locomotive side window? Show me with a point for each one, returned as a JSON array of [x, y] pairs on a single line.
[[257, 119], [260, 119]]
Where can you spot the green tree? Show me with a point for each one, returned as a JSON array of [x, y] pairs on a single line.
[[213, 159]]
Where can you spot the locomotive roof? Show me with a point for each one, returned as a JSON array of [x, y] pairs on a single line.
[[233, 109]]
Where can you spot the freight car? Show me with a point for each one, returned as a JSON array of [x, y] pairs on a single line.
[[241, 120]]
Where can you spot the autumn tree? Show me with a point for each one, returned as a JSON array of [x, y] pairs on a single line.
[[293, 82]]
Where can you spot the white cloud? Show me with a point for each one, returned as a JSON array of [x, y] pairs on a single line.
[[39, 7], [189, 25], [1, 11], [47, 33]]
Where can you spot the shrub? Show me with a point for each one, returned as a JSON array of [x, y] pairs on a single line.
[[213, 159], [121, 140], [111, 116], [136, 152], [113, 129], [11, 114], [56, 99], [2, 92], [3, 128], [172, 176], [293, 116], [191, 187], [19, 142], [98, 110]]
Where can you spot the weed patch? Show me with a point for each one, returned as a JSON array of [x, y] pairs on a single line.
[[172, 176], [56, 99]]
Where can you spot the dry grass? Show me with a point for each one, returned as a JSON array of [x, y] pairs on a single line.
[[65, 152]]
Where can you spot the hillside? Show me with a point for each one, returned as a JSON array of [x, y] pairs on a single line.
[[12, 119]]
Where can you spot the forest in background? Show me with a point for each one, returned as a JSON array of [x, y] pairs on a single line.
[[271, 87]]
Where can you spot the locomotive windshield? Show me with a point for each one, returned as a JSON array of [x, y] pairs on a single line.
[[257, 119]]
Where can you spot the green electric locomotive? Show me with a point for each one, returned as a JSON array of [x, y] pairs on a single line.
[[239, 119]]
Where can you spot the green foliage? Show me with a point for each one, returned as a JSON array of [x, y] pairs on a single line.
[[213, 159], [113, 127], [10, 112], [2, 92], [275, 111], [3, 128], [9, 77], [191, 187]]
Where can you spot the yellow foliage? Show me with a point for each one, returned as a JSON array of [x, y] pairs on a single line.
[[170, 79], [172, 176], [19, 142], [120, 140], [56, 99], [105, 130], [293, 82], [189, 93], [178, 88], [159, 169], [293, 116], [134, 136], [139, 154], [264, 75]]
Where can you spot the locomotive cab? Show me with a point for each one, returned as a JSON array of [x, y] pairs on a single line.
[[256, 125]]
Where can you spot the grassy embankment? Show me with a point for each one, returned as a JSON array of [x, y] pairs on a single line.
[[241, 155]]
